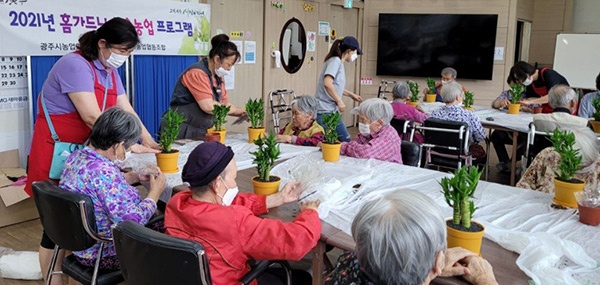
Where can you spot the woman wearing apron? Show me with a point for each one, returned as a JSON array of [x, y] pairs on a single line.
[[537, 82]]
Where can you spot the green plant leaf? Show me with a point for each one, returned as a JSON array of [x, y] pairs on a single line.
[[469, 99], [265, 155], [172, 121], [219, 114], [458, 193], [596, 105], [414, 91], [570, 158], [330, 122], [515, 92], [255, 111], [430, 84]]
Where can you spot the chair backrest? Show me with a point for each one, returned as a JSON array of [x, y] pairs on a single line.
[[150, 257], [67, 218], [536, 142], [281, 108], [452, 135], [403, 127], [411, 153]]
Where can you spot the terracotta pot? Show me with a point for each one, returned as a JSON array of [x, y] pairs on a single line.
[[414, 104], [467, 240], [167, 162], [211, 137], [589, 215], [538, 110], [430, 98], [254, 134], [265, 188], [222, 133], [331, 152], [595, 125], [513, 109], [564, 193]]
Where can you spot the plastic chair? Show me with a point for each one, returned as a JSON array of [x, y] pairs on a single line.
[[68, 219], [149, 257], [280, 101], [446, 143]]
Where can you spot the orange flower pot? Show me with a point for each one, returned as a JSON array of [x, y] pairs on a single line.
[[265, 188], [466, 240], [513, 109], [254, 134], [414, 104], [430, 98], [222, 133], [564, 193], [331, 152], [167, 162]]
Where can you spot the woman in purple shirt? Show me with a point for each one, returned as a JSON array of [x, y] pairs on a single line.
[[94, 171], [403, 111]]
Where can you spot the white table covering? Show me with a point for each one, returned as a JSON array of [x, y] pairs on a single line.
[[238, 143], [554, 247]]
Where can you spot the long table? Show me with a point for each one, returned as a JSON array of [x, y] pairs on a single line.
[[554, 247]]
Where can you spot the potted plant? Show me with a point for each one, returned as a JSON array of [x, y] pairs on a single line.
[[431, 96], [256, 114], [331, 146], [168, 158], [264, 158], [515, 92], [565, 185], [469, 101], [458, 192], [595, 123], [219, 114], [588, 203], [414, 93]]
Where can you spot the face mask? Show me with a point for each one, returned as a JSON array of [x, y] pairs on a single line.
[[364, 129], [445, 81], [221, 72], [115, 60], [229, 194], [353, 57], [527, 81], [121, 162]]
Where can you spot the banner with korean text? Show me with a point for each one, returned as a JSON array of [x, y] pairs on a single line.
[[41, 27]]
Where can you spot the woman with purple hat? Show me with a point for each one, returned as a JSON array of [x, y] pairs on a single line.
[[331, 85]]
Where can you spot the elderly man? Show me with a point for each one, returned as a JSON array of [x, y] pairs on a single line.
[[563, 101], [448, 75], [303, 129]]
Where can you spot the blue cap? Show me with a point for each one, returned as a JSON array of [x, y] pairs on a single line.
[[352, 43]]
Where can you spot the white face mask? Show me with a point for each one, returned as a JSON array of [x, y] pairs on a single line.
[[121, 162], [364, 129], [115, 60], [353, 57], [221, 72], [229, 195], [528, 81], [445, 82]]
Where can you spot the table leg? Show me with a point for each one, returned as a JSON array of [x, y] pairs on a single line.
[[513, 160], [317, 263]]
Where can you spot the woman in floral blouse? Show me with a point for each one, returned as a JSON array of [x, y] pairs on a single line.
[[303, 129], [94, 171]]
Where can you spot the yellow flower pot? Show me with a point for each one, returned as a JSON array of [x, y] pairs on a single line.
[[167, 162], [331, 152], [222, 133], [469, 108], [466, 240], [514, 108], [564, 193], [254, 134], [266, 188], [414, 104], [430, 98]]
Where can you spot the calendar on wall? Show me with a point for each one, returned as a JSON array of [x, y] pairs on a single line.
[[13, 83]]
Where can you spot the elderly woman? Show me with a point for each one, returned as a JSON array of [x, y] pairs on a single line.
[[303, 129], [387, 230], [94, 171], [540, 174], [403, 111], [377, 139], [452, 95]]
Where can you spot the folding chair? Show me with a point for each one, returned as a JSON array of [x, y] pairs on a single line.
[[446, 143], [280, 101], [536, 142]]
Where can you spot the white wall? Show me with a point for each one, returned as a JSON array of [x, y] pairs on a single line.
[[15, 133], [586, 16]]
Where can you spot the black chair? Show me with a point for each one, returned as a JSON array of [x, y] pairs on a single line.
[[281, 109], [536, 142], [411, 153], [404, 128], [69, 220], [446, 143], [149, 257]]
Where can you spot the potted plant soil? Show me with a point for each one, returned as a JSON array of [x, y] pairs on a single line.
[[168, 158], [565, 185], [469, 101], [458, 192], [414, 93], [588, 204], [219, 114], [264, 158], [515, 92], [431, 96], [331, 146], [595, 123], [256, 114]]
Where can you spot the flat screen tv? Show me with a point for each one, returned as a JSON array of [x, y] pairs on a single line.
[[421, 45]]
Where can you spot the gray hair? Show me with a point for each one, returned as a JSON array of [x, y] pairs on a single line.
[[375, 109], [400, 90], [114, 126], [451, 91], [561, 96], [306, 104], [398, 237], [449, 71], [587, 143]]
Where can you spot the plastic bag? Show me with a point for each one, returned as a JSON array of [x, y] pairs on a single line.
[[23, 265]]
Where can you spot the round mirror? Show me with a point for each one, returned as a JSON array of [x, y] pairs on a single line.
[[292, 44]]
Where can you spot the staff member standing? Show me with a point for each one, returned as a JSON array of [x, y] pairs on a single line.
[[331, 84], [201, 86], [74, 94], [537, 81]]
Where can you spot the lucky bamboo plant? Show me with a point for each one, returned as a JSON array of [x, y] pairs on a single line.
[[596, 105], [172, 122], [266, 154], [219, 114], [515, 92], [330, 122], [414, 91], [458, 192], [255, 111], [430, 85], [469, 99], [570, 159]]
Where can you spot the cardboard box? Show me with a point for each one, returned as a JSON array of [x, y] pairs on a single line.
[[16, 205]]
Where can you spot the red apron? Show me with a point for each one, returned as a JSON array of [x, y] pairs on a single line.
[[69, 128], [542, 91]]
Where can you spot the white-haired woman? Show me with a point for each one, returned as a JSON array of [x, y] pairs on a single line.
[[377, 139], [402, 111], [303, 129], [539, 176], [387, 230]]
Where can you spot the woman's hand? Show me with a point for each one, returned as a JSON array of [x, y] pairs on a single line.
[[157, 186], [310, 205], [500, 103], [452, 266], [284, 138], [480, 271], [138, 148], [289, 193], [148, 141], [356, 97], [131, 177]]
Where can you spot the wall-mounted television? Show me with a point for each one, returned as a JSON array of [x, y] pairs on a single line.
[[421, 45]]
